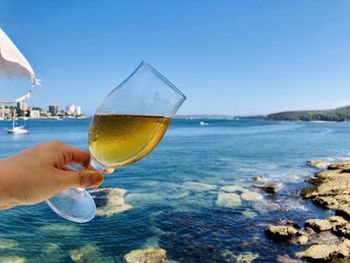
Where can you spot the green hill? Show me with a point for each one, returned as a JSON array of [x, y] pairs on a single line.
[[338, 114]]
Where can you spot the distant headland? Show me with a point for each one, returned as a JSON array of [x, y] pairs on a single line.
[[217, 117], [337, 114]]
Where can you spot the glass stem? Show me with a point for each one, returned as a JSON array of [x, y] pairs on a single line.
[[94, 165]]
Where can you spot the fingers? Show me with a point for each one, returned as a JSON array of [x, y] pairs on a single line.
[[108, 170], [74, 155], [80, 178]]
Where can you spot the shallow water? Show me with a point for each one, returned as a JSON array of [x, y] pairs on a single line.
[[173, 192]]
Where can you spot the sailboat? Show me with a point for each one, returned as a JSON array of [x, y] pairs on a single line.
[[17, 129], [14, 64]]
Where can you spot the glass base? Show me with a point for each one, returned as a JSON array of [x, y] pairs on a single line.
[[74, 204]]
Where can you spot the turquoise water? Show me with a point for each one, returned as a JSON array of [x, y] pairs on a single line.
[[168, 209]]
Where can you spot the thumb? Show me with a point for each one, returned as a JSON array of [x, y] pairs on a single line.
[[82, 178]]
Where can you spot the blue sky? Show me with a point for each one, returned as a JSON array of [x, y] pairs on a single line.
[[228, 57]]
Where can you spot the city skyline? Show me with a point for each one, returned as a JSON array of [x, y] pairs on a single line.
[[232, 57], [50, 108], [22, 109]]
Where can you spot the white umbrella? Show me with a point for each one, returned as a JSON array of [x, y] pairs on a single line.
[[14, 64]]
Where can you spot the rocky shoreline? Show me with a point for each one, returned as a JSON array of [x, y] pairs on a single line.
[[316, 239], [321, 239]]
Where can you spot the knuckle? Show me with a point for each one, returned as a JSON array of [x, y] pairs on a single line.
[[56, 144], [81, 179]]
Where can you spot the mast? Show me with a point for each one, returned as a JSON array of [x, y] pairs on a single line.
[[13, 118]]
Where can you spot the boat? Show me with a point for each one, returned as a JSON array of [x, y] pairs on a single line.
[[202, 123], [17, 129]]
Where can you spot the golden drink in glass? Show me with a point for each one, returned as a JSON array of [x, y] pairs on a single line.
[[117, 140]]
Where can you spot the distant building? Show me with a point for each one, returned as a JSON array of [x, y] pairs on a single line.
[[22, 106], [53, 109], [78, 110], [71, 109], [4, 111], [34, 113]]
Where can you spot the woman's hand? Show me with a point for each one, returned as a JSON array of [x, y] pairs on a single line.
[[41, 172]]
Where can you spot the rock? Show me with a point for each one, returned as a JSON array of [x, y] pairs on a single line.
[[53, 252], [61, 229], [331, 223], [287, 222], [229, 200], [246, 257], [269, 188], [344, 210], [318, 252], [89, 253], [343, 165], [326, 201], [249, 214], [343, 230], [286, 259], [326, 252], [323, 238], [259, 178], [110, 201], [332, 188], [319, 224], [82, 254], [337, 220], [287, 232], [326, 174], [7, 243], [228, 255], [12, 259], [251, 196], [198, 187], [337, 185], [310, 232], [318, 163], [146, 255], [301, 240], [281, 232], [139, 199], [233, 188]]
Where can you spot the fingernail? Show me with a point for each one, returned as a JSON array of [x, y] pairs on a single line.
[[95, 179]]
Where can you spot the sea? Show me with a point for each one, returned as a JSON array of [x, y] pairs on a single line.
[[174, 193]]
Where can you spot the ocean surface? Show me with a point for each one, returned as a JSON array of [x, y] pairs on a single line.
[[173, 193]]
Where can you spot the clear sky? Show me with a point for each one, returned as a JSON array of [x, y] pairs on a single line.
[[228, 57]]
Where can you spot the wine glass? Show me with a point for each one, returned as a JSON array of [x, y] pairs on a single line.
[[127, 126]]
